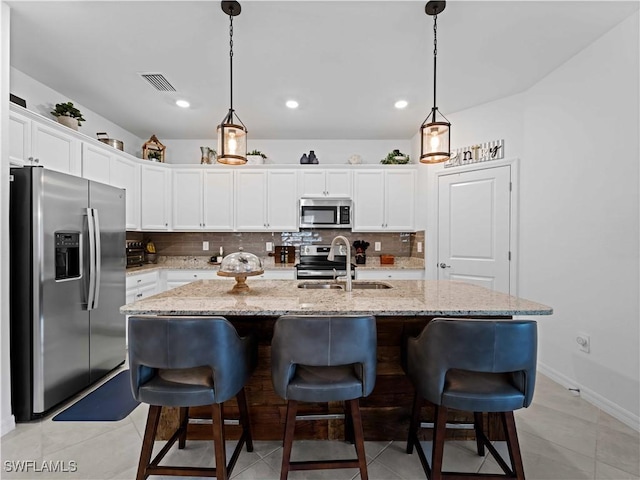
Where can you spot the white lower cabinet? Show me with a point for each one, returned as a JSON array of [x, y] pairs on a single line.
[[139, 286], [389, 274], [178, 277]]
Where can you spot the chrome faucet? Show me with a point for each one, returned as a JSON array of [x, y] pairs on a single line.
[[332, 256]]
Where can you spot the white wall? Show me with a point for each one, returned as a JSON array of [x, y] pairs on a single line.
[[576, 133], [7, 421], [289, 151], [42, 99], [579, 216]]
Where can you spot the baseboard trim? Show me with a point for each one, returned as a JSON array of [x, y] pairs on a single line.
[[594, 398], [7, 425]]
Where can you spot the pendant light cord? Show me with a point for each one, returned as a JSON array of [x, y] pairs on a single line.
[[231, 62], [435, 55]]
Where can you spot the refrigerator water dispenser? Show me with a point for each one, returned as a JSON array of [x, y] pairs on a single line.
[[67, 255]]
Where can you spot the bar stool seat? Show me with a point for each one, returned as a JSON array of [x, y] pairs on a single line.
[[186, 362], [324, 359]]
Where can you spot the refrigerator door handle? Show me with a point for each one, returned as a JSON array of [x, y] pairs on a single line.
[[98, 258], [92, 258]]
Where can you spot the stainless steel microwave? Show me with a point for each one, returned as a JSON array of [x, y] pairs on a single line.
[[326, 213]]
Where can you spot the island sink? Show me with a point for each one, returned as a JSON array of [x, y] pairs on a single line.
[[339, 286]]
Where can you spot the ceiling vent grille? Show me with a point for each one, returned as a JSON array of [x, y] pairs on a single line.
[[158, 82]]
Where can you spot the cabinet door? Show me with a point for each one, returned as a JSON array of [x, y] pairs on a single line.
[[55, 149], [96, 163], [19, 140], [368, 200], [126, 174], [250, 199], [282, 201], [187, 200], [338, 183], [155, 196], [312, 183], [218, 200], [400, 200]]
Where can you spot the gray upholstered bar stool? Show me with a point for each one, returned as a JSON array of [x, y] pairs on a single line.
[[475, 366], [324, 359], [186, 362]]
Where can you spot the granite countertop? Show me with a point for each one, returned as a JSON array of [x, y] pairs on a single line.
[[281, 297], [202, 263]]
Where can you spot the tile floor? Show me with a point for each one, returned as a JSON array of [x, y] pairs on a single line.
[[561, 436]]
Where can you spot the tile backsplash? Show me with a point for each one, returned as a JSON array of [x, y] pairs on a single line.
[[190, 243]]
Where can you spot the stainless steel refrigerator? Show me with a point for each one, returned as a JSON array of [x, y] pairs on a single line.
[[67, 244]]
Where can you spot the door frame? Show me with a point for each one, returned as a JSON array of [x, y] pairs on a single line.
[[432, 253]]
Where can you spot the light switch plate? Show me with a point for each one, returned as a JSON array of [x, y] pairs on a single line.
[[419, 247], [269, 246], [205, 246], [378, 246]]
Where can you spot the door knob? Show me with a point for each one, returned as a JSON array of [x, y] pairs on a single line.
[[444, 265]]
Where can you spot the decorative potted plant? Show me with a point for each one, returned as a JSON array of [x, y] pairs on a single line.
[[154, 155], [395, 158], [256, 157], [68, 115]]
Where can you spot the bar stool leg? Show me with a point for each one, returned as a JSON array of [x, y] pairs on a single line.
[[153, 417], [184, 422], [439, 433], [245, 420], [477, 425], [289, 428], [415, 420], [218, 441], [354, 407], [348, 423], [513, 445]]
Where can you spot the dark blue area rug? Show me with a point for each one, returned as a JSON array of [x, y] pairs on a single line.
[[110, 402]]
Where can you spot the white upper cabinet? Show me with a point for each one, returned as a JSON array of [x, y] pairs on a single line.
[[37, 143], [155, 197], [218, 200], [203, 199], [266, 200], [187, 199], [384, 200], [325, 183], [19, 140], [125, 173], [55, 149], [96, 163], [282, 200]]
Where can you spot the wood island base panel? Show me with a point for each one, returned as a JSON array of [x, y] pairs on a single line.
[[400, 312]]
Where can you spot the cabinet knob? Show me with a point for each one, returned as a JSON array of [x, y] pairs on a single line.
[[195, 275], [166, 224], [139, 281], [138, 295]]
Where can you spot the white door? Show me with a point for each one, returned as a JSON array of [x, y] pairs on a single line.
[[96, 163], [218, 200], [187, 199], [474, 225], [282, 201], [400, 197]]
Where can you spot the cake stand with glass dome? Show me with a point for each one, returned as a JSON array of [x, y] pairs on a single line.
[[240, 265]]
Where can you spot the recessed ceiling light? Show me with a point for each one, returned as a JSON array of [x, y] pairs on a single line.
[[292, 104], [400, 104], [183, 103]]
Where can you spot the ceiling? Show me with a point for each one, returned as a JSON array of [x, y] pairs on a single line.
[[345, 62]]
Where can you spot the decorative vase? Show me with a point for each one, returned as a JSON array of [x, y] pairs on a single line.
[[304, 159], [67, 121], [205, 159], [312, 157]]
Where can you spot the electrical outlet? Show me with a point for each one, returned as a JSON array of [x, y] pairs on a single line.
[[205, 246], [584, 342], [269, 246], [378, 246], [419, 247]]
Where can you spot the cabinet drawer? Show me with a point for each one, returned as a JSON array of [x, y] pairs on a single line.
[[142, 279]]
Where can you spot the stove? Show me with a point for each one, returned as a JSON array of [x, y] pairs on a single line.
[[315, 266]]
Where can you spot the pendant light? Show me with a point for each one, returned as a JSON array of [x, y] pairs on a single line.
[[435, 133], [232, 134]]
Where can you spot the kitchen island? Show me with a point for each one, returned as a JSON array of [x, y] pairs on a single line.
[[401, 310]]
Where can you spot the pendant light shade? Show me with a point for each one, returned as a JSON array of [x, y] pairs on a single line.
[[232, 133], [435, 132]]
